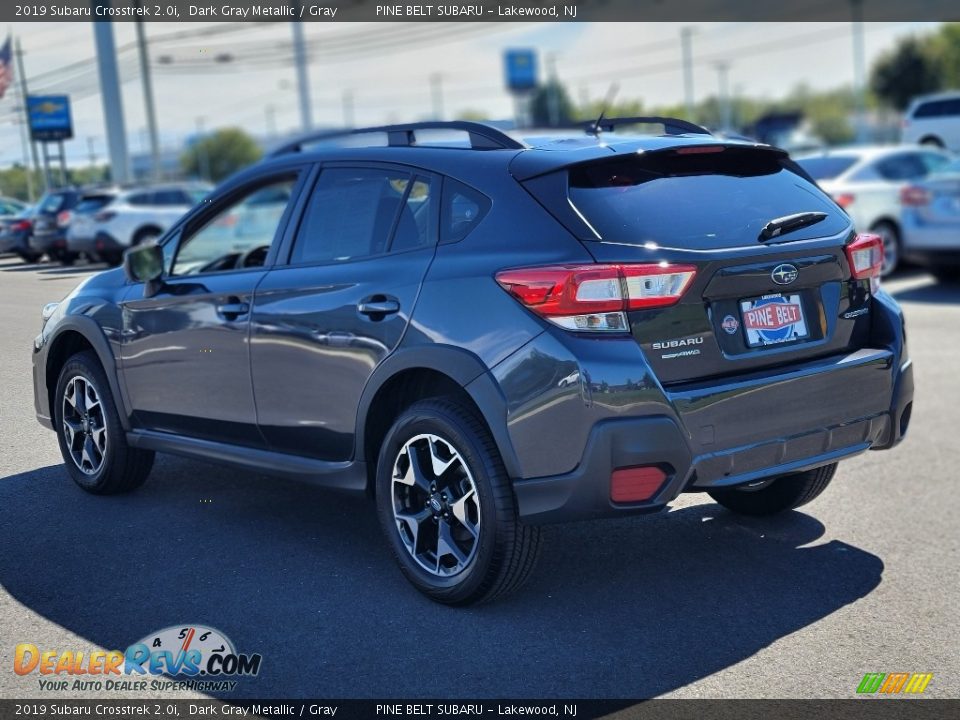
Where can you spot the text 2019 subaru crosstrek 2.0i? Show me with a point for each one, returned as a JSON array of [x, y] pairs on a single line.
[[489, 334]]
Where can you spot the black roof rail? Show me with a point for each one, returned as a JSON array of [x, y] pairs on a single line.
[[672, 126], [482, 136]]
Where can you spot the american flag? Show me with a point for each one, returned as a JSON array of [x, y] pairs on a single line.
[[6, 67]]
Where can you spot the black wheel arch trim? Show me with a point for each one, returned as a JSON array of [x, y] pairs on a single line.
[[94, 335], [464, 368]]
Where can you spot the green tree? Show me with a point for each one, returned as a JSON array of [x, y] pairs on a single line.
[[944, 47], [13, 183], [219, 154], [550, 105], [909, 69]]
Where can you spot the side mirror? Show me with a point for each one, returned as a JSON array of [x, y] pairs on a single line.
[[143, 263]]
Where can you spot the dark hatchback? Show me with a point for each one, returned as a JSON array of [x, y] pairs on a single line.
[[50, 223], [488, 334]]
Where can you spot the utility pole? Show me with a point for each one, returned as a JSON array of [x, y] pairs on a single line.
[[686, 47], [91, 152], [111, 99], [303, 80], [859, 64], [348, 119], [148, 98], [202, 149], [436, 94], [723, 77], [553, 91], [31, 171], [270, 113]]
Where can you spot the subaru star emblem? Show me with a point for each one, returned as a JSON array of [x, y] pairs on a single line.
[[784, 274]]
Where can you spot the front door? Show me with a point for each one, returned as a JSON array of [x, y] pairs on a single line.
[[185, 351]]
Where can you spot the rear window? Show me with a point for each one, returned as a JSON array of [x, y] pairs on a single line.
[[92, 203], [827, 167], [699, 201], [52, 204]]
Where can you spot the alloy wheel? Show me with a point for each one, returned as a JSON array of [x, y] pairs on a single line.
[[436, 508], [84, 425]]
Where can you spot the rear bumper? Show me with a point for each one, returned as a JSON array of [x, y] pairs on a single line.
[[736, 432], [48, 242]]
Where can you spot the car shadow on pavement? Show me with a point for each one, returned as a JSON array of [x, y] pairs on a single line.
[[936, 293], [626, 608]]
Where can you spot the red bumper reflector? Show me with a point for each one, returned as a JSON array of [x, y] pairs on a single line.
[[635, 484]]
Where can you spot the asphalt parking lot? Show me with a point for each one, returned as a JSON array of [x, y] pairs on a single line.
[[690, 603]]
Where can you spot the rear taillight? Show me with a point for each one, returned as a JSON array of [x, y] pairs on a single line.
[[913, 196], [844, 200], [865, 255], [21, 226], [63, 218], [596, 297]]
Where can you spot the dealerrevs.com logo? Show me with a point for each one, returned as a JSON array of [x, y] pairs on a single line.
[[197, 657]]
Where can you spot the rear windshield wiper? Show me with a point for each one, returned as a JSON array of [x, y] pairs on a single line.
[[788, 223]]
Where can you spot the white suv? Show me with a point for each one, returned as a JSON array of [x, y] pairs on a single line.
[[934, 120], [106, 222]]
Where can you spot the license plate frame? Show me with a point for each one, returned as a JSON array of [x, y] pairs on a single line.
[[773, 319]]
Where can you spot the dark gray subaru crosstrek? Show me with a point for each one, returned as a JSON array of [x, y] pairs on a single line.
[[489, 334]]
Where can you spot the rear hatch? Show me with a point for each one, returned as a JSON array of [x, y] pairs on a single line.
[[767, 289]]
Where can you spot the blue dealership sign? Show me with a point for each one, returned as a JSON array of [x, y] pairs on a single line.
[[521, 69], [49, 117]]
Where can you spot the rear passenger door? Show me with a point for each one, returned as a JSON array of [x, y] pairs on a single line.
[[325, 320]]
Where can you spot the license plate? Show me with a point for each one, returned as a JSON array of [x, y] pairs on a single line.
[[773, 319]]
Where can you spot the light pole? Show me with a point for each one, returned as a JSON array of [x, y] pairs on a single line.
[[111, 99], [436, 94], [723, 77], [148, 98], [686, 49], [303, 79], [859, 64]]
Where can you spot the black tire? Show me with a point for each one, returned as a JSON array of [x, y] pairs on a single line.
[[122, 468], [66, 258], [890, 234], [503, 551], [949, 274], [779, 495], [29, 257], [112, 259], [933, 141]]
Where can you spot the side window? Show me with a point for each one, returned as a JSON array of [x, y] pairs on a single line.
[[170, 197], [356, 213], [144, 198], [951, 108], [907, 166], [239, 233], [462, 210]]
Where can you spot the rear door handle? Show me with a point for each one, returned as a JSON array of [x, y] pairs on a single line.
[[232, 310], [378, 305]]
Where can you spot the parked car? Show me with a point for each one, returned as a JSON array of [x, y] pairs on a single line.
[[866, 182], [108, 221], [15, 231], [491, 337], [50, 225], [934, 120], [931, 222]]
